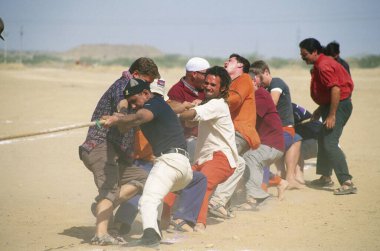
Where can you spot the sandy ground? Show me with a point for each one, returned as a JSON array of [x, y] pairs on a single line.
[[46, 191]]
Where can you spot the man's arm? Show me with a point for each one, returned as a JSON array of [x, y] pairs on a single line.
[[275, 96], [188, 115], [178, 107], [126, 122], [335, 98]]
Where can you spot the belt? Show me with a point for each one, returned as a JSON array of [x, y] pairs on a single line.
[[176, 150]]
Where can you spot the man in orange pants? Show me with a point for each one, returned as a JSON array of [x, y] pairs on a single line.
[[216, 153]]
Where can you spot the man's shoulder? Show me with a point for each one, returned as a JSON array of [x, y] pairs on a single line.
[[277, 83], [177, 88], [243, 81], [261, 92]]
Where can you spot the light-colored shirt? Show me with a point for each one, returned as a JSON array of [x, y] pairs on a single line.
[[215, 132]]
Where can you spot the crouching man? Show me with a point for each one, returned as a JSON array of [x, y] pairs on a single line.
[[171, 170]]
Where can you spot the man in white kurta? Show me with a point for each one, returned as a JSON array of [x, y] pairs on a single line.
[[216, 153]]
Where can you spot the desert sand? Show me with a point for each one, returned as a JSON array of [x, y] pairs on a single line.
[[46, 191]]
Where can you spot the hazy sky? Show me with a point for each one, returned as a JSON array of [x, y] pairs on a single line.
[[196, 27]]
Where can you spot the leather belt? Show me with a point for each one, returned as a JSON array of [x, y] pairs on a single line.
[[177, 150]]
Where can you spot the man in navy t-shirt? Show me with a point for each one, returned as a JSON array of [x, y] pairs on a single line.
[[172, 170]]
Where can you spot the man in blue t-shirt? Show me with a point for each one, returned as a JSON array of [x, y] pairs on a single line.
[[280, 93], [172, 170]]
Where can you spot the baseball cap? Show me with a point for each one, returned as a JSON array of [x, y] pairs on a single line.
[[135, 86], [197, 64], [1, 28], [158, 86]]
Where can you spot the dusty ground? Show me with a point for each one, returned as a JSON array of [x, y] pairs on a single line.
[[46, 191]]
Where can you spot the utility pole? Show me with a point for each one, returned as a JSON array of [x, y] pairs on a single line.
[[21, 42]]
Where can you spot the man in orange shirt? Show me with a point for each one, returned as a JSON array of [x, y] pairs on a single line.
[[242, 106]]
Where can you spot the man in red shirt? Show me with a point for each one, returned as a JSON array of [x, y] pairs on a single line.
[[190, 88], [331, 88]]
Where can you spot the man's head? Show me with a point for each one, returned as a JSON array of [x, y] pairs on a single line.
[[1, 28], [217, 83], [310, 48], [195, 72], [332, 49], [262, 72], [255, 79], [137, 93], [236, 65], [144, 68]]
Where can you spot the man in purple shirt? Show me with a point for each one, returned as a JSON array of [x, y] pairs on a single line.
[[107, 153]]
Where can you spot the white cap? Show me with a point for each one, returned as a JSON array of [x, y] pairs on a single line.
[[158, 86], [197, 64]]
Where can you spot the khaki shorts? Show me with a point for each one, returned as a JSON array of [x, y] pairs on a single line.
[[111, 171]]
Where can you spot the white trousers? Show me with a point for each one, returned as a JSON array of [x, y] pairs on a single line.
[[171, 172], [225, 190]]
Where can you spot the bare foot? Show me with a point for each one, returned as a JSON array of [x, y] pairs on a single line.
[[281, 189], [294, 185], [300, 180], [200, 227]]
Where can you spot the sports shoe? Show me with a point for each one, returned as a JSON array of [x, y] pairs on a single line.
[[149, 239], [107, 240]]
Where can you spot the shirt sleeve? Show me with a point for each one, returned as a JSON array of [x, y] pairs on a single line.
[[211, 110], [328, 76]]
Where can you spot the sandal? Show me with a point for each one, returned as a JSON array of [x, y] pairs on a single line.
[[182, 226], [107, 240], [321, 182], [218, 210], [346, 188], [247, 206]]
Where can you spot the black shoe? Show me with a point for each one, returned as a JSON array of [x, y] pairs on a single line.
[[150, 238]]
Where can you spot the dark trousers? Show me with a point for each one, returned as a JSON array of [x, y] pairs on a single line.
[[190, 199], [330, 155]]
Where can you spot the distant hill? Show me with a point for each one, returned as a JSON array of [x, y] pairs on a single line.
[[110, 52]]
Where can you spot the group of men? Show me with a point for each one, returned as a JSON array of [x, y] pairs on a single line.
[[218, 127]]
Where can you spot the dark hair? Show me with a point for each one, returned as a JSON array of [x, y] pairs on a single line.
[[145, 66], [332, 49], [311, 45], [135, 86], [225, 79], [258, 67], [242, 60]]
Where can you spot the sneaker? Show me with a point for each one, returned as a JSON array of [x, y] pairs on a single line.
[[149, 239], [107, 240]]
